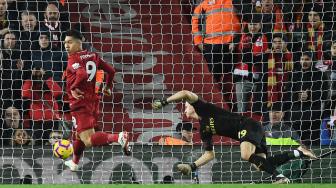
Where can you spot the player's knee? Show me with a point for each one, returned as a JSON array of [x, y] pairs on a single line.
[[245, 155], [87, 142]]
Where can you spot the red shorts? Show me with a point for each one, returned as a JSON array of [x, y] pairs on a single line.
[[83, 121]]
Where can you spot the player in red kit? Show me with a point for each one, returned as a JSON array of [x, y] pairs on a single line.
[[84, 102]]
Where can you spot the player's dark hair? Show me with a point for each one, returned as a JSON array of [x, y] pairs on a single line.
[[74, 34], [281, 36]]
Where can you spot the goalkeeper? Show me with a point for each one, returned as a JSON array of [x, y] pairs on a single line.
[[217, 121]]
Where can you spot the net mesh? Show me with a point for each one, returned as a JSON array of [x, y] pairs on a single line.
[[271, 60]]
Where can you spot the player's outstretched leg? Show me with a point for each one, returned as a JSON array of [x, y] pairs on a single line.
[[102, 139], [97, 139], [265, 165], [284, 157], [248, 153]]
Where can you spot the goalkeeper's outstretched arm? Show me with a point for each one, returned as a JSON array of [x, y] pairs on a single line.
[[204, 159], [189, 96]]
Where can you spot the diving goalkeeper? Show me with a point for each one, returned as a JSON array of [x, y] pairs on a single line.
[[217, 121]]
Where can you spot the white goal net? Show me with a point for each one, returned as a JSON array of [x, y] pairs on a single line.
[[271, 60]]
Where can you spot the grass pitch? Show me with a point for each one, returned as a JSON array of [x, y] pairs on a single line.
[[172, 186]]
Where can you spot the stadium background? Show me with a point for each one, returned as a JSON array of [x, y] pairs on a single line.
[[154, 57]]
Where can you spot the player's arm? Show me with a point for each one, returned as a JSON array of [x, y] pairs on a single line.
[[207, 156], [81, 76], [204, 159], [109, 77], [179, 96]]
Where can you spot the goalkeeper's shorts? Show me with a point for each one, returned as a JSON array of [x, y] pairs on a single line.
[[253, 133]]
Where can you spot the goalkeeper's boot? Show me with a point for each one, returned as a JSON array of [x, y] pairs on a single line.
[[123, 140], [73, 166], [306, 153], [281, 180]]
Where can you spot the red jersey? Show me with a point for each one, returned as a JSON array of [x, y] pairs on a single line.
[[81, 74]]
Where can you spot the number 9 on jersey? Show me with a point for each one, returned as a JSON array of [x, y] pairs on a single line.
[[91, 70]]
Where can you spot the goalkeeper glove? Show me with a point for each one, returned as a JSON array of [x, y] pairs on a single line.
[[187, 168], [158, 104]]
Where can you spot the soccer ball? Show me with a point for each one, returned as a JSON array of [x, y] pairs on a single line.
[[63, 149]]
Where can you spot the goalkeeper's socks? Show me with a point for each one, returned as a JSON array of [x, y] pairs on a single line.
[[102, 139], [280, 159], [284, 157], [298, 153], [295, 154], [79, 147], [263, 164]]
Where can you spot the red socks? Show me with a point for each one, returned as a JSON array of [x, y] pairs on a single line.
[[79, 148], [102, 138]]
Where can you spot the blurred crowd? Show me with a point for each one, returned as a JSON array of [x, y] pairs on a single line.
[[263, 53], [32, 102]]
